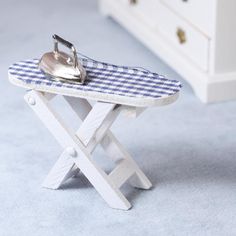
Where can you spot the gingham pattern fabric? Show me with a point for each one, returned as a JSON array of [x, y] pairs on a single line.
[[102, 78]]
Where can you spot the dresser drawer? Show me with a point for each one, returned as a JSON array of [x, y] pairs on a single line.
[[184, 37], [200, 13], [145, 10]]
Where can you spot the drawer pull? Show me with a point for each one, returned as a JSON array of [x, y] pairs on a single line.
[[181, 36], [133, 2]]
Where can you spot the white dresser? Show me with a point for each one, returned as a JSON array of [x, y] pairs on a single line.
[[197, 38]]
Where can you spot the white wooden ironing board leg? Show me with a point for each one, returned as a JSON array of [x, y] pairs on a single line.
[[110, 144], [116, 151], [78, 146], [78, 152], [63, 169]]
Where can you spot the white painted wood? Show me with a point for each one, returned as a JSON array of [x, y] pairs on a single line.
[[76, 157], [200, 13], [102, 130], [117, 152], [139, 111], [97, 177], [132, 112], [224, 46], [59, 173], [74, 172], [196, 46], [71, 170], [123, 171], [49, 96], [80, 106], [94, 121], [111, 145], [50, 118], [218, 83], [144, 9]]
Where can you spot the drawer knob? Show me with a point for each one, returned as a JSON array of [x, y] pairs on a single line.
[[133, 2], [181, 36]]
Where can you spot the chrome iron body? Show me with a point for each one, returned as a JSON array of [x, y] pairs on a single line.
[[62, 66]]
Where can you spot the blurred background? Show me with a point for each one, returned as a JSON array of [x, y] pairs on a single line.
[[187, 149]]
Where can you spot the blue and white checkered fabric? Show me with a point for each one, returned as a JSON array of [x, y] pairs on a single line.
[[102, 78]]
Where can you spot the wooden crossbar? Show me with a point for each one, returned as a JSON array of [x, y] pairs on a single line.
[[121, 173]]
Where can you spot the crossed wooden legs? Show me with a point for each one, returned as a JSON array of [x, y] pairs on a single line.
[[79, 146]]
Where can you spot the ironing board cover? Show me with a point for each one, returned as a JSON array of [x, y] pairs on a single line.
[[105, 82]]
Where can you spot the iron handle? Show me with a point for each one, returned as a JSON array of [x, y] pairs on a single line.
[[62, 41], [58, 39]]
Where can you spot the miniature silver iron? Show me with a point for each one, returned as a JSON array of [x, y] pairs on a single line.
[[62, 66]]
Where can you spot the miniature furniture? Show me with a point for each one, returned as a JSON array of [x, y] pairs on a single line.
[[195, 37], [115, 90]]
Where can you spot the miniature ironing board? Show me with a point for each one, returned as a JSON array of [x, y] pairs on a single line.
[[114, 89]]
